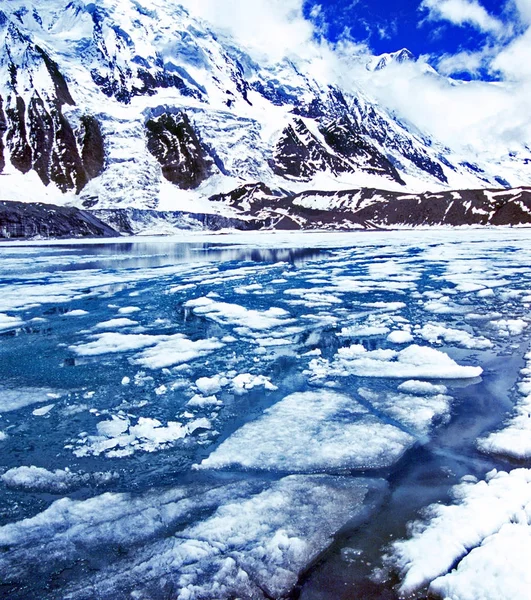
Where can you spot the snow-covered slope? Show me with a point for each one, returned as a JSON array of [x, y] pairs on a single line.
[[138, 104]]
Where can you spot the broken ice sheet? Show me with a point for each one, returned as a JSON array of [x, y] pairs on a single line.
[[319, 431], [248, 539], [478, 547], [514, 438], [415, 361]]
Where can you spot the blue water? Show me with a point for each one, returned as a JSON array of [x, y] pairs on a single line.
[[323, 285]]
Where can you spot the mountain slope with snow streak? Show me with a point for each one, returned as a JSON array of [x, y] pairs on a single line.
[[140, 105]]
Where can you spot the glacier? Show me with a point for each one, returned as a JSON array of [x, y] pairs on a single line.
[[143, 106]]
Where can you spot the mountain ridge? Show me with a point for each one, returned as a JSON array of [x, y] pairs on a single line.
[[104, 106]]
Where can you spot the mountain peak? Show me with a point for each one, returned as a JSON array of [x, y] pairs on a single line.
[[384, 60]]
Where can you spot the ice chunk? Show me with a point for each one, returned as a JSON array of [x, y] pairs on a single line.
[[255, 543], [129, 310], [119, 437], [360, 331], [418, 362], [209, 385], [116, 323], [509, 327], [110, 342], [203, 401], [484, 537], [244, 382], [418, 413], [422, 388], [76, 313], [400, 337], [59, 481], [162, 350], [7, 322], [176, 350], [22, 397], [312, 431], [515, 438], [436, 334], [234, 314], [41, 412]]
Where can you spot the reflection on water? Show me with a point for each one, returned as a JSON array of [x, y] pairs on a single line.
[[144, 255]]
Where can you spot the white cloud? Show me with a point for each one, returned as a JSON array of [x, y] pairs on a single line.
[[513, 60], [463, 12], [464, 62], [524, 10], [479, 114], [269, 29]]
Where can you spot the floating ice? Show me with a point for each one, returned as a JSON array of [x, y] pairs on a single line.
[[234, 314], [418, 362], [515, 437], [19, 398], [258, 538], [162, 350], [312, 431], [437, 334], [129, 310], [76, 313], [116, 323], [400, 337], [244, 382], [211, 385], [480, 547], [119, 437], [7, 322], [176, 350], [422, 388], [509, 327], [41, 412], [110, 342], [59, 481], [418, 413]]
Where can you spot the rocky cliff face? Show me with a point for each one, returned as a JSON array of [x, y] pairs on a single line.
[[19, 220], [133, 104], [36, 134], [174, 143], [371, 208]]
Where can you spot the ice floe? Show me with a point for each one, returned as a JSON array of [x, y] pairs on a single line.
[[479, 547], [414, 362], [121, 436], [14, 399], [234, 314], [437, 334], [310, 432], [7, 322], [254, 543], [59, 481], [514, 439], [159, 351], [116, 323]]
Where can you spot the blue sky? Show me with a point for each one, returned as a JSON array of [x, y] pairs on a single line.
[[423, 27]]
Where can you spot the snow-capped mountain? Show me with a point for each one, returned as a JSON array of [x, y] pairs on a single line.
[[132, 103]]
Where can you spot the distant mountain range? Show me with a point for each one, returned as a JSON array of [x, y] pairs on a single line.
[[140, 106]]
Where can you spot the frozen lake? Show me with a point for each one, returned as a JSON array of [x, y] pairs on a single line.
[[258, 416]]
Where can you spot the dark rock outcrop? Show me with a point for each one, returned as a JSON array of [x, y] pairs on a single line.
[[174, 143], [367, 208], [3, 128], [93, 149], [20, 220], [300, 154]]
